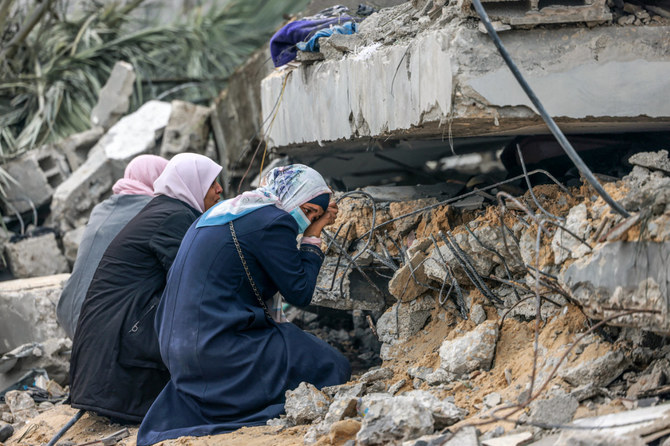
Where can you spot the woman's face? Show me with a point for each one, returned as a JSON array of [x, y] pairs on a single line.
[[312, 211], [213, 195]]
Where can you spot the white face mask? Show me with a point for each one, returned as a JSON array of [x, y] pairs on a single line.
[[300, 218]]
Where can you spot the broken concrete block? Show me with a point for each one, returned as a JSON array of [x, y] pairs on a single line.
[[71, 241], [377, 374], [652, 160], [444, 412], [22, 405], [29, 310], [492, 400], [187, 129], [51, 357], [465, 436], [305, 404], [470, 352], [407, 281], [652, 378], [135, 134], [600, 371], [403, 320], [36, 256], [76, 147], [557, 410], [37, 174], [566, 246], [87, 186], [619, 276], [335, 46], [389, 419], [114, 99], [477, 314]]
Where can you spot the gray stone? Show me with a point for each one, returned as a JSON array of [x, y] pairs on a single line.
[[599, 371], [7, 416], [353, 390], [492, 399], [652, 160], [305, 404], [6, 431], [51, 356], [420, 372], [36, 256], [652, 378], [114, 99], [585, 392], [623, 275], [279, 422], [76, 147], [556, 410], [595, 438], [71, 241], [389, 419], [406, 284], [403, 320], [465, 436], [564, 244], [376, 374], [470, 352], [445, 413], [396, 386], [187, 129], [376, 387], [37, 173], [22, 405], [438, 377], [477, 314]]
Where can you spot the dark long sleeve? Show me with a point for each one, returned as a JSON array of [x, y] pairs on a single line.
[[294, 270]]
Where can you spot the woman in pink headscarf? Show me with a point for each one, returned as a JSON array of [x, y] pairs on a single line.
[[116, 369], [131, 194]]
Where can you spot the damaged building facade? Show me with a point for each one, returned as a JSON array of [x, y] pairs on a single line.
[[474, 308]]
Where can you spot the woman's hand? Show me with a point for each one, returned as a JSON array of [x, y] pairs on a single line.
[[328, 218]]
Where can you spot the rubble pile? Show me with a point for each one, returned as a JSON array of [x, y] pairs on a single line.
[[462, 314]]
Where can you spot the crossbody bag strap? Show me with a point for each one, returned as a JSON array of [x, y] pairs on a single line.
[[246, 269]]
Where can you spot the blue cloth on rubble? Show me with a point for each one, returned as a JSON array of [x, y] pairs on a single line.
[[313, 43], [283, 44]]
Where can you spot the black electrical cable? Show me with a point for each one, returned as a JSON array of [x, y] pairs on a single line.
[[67, 427], [562, 140]]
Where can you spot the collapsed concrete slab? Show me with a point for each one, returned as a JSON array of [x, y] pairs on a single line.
[[36, 256], [37, 174], [454, 74], [622, 276], [29, 310], [133, 135]]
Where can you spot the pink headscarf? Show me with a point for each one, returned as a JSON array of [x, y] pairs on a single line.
[[139, 176], [187, 177]]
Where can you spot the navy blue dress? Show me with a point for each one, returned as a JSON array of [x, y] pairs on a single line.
[[229, 364]]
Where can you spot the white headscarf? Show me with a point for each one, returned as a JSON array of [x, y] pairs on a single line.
[[286, 187], [187, 177]]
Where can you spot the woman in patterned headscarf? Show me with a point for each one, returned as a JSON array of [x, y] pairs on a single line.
[[230, 363], [116, 368]]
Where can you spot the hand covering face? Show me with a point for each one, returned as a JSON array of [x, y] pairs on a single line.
[[286, 187], [188, 177], [139, 176]]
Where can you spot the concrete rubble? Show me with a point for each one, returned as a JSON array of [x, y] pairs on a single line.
[[468, 322]]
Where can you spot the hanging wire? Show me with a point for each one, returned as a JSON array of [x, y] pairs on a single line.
[[558, 134]]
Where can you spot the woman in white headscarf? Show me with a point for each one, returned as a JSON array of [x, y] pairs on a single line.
[[116, 369], [230, 362]]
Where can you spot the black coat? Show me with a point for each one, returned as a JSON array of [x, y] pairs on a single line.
[[116, 368]]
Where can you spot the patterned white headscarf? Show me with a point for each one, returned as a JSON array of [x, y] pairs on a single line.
[[286, 187]]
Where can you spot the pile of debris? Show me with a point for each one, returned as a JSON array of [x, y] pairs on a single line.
[[58, 184], [491, 325]]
